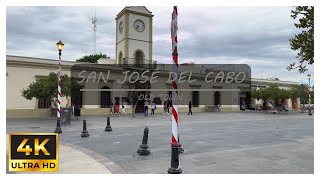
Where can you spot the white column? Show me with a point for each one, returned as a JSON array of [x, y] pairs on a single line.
[[289, 104]]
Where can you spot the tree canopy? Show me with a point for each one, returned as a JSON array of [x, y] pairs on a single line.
[[274, 93], [301, 91], [304, 41], [92, 58], [47, 86], [271, 94]]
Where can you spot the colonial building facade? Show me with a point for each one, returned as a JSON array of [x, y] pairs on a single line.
[[133, 46]]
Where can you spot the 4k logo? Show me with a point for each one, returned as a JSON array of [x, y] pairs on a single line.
[[37, 147], [33, 152]]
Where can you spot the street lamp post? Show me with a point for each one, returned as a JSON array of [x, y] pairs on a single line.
[[309, 89], [58, 128]]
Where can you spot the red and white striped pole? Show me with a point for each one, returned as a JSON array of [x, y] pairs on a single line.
[[59, 86], [175, 166], [175, 112], [58, 128]]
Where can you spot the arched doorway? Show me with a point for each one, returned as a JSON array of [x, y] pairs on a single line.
[[217, 98], [195, 98], [139, 56], [120, 58], [105, 98]]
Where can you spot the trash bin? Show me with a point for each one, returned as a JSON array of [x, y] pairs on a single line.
[[66, 116]]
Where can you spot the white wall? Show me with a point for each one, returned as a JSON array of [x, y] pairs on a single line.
[[19, 78], [120, 36], [134, 45]]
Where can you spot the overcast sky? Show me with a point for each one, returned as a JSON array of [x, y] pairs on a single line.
[[257, 36]]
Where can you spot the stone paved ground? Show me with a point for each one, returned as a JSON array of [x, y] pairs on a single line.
[[241, 142]]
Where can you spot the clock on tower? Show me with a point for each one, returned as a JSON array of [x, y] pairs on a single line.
[[134, 35]]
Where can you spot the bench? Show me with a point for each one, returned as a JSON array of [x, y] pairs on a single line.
[[213, 108]]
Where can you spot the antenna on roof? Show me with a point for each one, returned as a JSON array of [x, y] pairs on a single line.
[[94, 28]]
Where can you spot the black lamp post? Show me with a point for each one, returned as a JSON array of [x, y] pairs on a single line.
[[309, 89]]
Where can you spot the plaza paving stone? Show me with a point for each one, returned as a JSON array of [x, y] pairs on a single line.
[[218, 142]]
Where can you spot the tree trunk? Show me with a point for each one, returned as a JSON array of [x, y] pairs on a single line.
[[68, 101], [134, 108]]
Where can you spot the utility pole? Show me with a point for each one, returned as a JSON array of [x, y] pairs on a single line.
[[94, 28]]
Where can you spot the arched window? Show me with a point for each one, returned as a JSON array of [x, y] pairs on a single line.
[[195, 98], [105, 98], [139, 58]]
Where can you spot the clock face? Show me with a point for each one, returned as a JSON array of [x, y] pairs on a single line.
[[121, 27], [138, 25]]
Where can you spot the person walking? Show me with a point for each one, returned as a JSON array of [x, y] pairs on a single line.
[[72, 109], [190, 108], [153, 108], [146, 107], [165, 107], [133, 110], [111, 108], [123, 106], [117, 107]]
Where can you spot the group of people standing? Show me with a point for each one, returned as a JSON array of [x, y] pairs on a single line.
[[146, 107], [166, 107], [115, 108]]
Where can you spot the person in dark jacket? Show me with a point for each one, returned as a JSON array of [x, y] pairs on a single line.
[[190, 108]]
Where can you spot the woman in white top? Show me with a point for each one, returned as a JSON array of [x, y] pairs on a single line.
[[123, 106]]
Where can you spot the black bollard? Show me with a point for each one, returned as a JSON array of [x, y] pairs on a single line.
[[175, 167], [144, 147], [181, 150], [84, 132], [58, 128], [108, 127]]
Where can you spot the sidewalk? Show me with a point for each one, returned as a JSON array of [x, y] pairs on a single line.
[[73, 161]]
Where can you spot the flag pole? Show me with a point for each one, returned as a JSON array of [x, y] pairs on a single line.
[[175, 166]]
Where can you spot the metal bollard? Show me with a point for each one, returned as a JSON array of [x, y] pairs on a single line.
[[144, 147], [108, 127], [58, 128], [175, 166], [84, 132]]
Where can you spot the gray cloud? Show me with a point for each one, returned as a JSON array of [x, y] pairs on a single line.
[[257, 36]]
